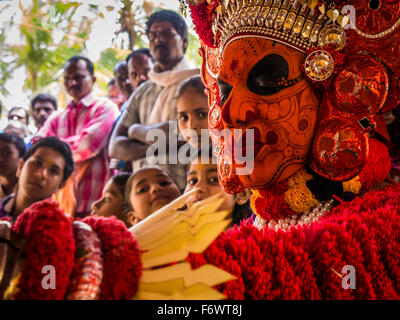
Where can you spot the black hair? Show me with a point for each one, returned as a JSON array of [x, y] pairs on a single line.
[[120, 181], [42, 97], [138, 53], [89, 64], [119, 65], [57, 145], [16, 141], [111, 82], [192, 83], [170, 16], [240, 212], [22, 108]]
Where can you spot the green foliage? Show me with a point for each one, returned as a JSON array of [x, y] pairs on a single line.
[[192, 51], [38, 53]]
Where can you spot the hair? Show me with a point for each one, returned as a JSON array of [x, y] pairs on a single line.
[[42, 97], [120, 65], [111, 82], [192, 83], [120, 181], [16, 108], [239, 212], [16, 141], [170, 16], [128, 186], [89, 64], [138, 53], [57, 145]]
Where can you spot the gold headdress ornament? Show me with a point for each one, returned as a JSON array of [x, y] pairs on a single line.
[[301, 24]]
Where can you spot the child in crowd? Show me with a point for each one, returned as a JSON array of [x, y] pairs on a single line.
[[112, 202], [149, 189], [192, 109], [204, 176], [12, 149]]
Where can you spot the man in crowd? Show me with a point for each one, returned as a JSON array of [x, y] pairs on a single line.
[[19, 114], [12, 149], [114, 94], [122, 79], [139, 64], [154, 103], [85, 124], [42, 106], [43, 170]]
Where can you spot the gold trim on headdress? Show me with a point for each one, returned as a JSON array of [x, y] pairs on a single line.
[[297, 23]]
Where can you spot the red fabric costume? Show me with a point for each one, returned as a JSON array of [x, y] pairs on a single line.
[[279, 255]]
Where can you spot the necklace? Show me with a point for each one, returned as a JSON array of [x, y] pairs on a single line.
[[306, 218]]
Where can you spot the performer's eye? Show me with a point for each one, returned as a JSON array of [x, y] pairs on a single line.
[[266, 74], [224, 90]]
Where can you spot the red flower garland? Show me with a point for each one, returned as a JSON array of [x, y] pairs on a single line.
[[377, 166], [301, 263], [271, 205], [122, 266], [203, 21], [50, 241]]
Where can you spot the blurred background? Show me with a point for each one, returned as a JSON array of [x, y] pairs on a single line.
[[38, 36]]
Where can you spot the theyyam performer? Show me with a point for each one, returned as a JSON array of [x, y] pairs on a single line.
[[314, 93]]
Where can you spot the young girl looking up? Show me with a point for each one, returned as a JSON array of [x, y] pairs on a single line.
[[112, 201], [147, 190], [192, 110], [204, 176]]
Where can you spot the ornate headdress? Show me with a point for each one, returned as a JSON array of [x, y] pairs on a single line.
[[328, 33], [299, 24]]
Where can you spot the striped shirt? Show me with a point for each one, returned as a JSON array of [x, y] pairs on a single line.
[[86, 127]]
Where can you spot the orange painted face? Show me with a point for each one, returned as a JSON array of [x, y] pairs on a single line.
[[261, 87]]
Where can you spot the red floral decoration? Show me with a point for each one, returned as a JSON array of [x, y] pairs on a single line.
[[306, 262], [269, 203], [377, 166], [122, 266], [50, 241], [203, 21]]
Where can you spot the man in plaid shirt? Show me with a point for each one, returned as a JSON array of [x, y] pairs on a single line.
[[85, 124]]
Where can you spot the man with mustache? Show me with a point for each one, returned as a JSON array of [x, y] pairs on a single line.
[[42, 106], [153, 105], [85, 124], [41, 172], [139, 63]]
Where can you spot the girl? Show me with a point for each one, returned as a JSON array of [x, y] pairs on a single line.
[[112, 202], [192, 110], [204, 176], [147, 190]]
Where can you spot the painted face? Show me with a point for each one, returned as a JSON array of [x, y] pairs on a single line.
[[41, 111], [204, 177], [260, 87], [77, 79], [138, 68], [41, 175], [166, 45], [9, 157], [111, 203], [192, 114], [122, 80], [151, 190]]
